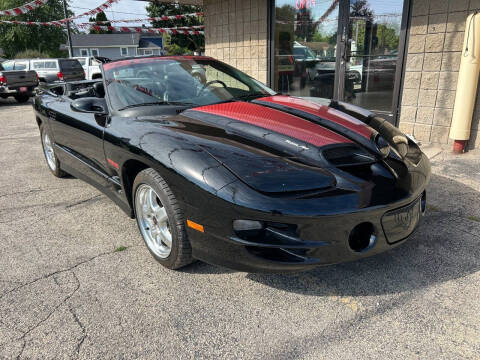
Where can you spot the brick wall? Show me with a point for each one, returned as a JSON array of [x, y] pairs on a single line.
[[236, 33], [434, 54]]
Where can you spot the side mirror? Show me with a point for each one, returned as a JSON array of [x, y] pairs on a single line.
[[90, 105]]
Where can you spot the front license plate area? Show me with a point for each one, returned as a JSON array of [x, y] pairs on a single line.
[[400, 223], [23, 89]]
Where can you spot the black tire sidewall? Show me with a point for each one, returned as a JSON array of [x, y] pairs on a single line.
[[176, 222]]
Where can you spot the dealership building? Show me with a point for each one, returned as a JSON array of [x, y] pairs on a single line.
[[398, 58]]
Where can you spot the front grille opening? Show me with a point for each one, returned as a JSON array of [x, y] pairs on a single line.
[[272, 233], [279, 255], [398, 166], [363, 172]]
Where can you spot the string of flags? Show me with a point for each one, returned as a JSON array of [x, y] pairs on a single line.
[[145, 30], [23, 9], [101, 25], [186, 30], [37, 3], [91, 12], [159, 18]]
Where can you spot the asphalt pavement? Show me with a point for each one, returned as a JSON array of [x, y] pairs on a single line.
[[76, 280]]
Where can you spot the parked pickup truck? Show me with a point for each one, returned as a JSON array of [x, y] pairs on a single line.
[[91, 65], [17, 83]]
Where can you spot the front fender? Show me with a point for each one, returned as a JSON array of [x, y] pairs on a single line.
[[185, 166]]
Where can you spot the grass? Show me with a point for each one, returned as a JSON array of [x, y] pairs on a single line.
[[474, 218], [121, 248]]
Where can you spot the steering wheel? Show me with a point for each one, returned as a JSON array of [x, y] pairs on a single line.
[[211, 83], [144, 74]]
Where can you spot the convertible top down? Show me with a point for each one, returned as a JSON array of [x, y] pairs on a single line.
[[222, 169]]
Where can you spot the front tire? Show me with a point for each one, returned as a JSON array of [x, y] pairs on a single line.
[[160, 220], [49, 153]]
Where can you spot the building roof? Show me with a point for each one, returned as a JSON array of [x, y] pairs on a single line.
[[151, 42], [99, 40]]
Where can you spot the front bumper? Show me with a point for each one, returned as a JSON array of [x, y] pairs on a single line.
[[6, 92], [321, 239]]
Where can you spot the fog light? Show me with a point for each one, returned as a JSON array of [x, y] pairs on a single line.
[[362, 237], [246, 225]]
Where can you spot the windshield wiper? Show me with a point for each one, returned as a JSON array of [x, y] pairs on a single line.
[[250, 96], [178, 103], [241, 97]]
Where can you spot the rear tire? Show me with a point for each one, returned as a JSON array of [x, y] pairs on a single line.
[[49, 153], [160, 220], [21, 98]]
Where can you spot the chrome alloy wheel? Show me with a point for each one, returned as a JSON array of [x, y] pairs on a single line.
[[48, 150], [153, 221]]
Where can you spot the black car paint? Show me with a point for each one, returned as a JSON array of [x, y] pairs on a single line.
[[184, 150]]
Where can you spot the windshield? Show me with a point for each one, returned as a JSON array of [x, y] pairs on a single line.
[[189, 82]]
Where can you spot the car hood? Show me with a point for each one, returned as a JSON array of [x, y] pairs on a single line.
[[275, 144]]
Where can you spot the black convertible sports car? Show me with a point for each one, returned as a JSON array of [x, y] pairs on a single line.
[[224, 170]]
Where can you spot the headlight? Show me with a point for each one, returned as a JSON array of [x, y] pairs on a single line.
[[382, 145]]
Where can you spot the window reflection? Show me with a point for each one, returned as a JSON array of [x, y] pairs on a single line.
[[305, 47], [374, 33], [306, 50]]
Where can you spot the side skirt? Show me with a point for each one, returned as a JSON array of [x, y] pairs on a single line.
[[122, 205], [125, 206]]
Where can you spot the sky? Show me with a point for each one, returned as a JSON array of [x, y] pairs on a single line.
[[381, 8], [131, 9], [124, 9]]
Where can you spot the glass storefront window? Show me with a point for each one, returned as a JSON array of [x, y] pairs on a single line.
[[305, 47], [306, 59], [372, 52]]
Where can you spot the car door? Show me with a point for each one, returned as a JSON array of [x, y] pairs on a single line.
[[39, 67], [79, 141]]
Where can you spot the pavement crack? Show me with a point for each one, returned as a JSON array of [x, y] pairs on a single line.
[[46, 318], [56, 272], [92, 199], [82, 327], [31, 191]]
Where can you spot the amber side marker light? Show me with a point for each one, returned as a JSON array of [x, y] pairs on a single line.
[[195, 226]]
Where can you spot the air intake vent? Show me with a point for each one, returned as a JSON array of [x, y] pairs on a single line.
[[348, 155]]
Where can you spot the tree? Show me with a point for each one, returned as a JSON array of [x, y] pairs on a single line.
[[101, 16], [305, 25], [31, 54], [361, 8], [191, 42], [17, 38]]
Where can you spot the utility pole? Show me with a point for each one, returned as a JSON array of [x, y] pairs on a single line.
[[69, 35]]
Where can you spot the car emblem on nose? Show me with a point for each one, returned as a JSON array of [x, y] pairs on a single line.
[[404, 219]]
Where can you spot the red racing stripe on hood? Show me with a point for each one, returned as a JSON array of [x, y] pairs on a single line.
[[322, 111], [277, 121]]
